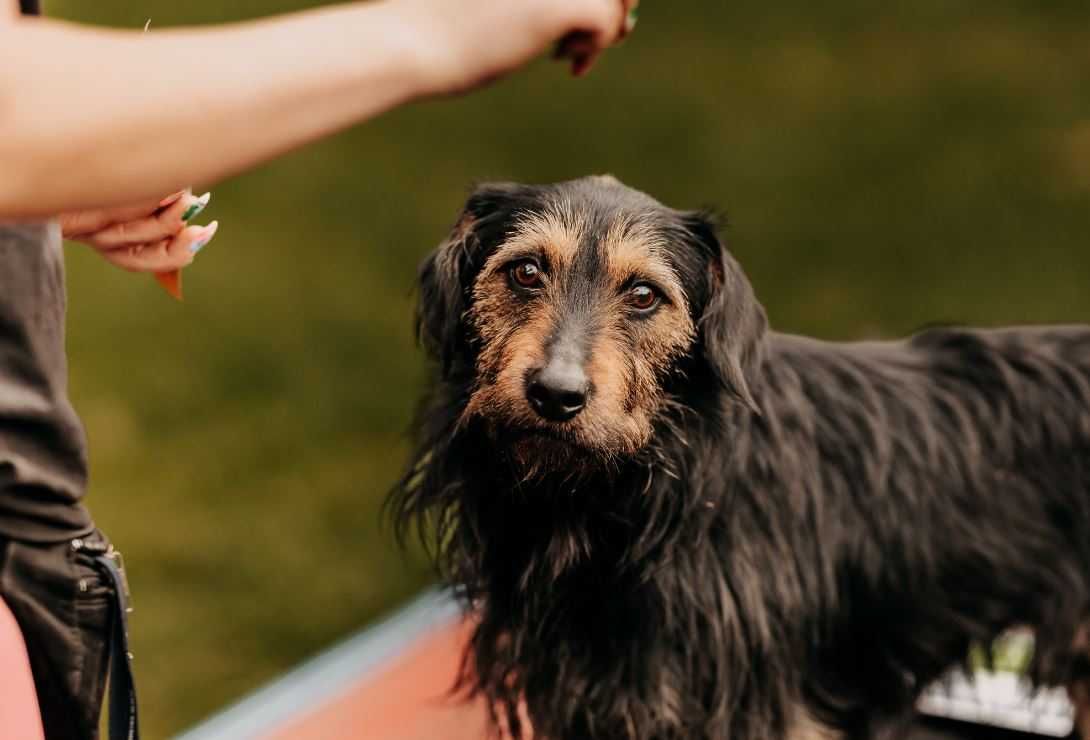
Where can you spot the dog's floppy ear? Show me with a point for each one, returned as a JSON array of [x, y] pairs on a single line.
[[446, 276], [733, 324]]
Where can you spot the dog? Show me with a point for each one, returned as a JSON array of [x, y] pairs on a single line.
[[670, 522]]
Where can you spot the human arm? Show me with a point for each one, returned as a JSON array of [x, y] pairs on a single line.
[[137, 115]]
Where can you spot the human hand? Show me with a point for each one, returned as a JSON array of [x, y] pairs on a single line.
[[465, 44], [150, 237], [146, 237], [582, 48]]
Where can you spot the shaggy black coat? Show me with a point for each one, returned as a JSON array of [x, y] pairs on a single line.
[[823, 555]]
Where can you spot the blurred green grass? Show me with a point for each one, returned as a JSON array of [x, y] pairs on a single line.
[[883, 166]]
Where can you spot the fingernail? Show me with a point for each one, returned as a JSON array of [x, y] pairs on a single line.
[[199, 205], [632, 19], [171, 199], [209, 232]]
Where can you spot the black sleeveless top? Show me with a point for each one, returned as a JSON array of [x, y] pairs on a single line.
[[43, 461]]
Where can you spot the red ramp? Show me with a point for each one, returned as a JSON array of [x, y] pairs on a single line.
[[390, 682]]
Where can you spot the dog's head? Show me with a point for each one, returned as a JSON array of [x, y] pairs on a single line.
[[575, 314]]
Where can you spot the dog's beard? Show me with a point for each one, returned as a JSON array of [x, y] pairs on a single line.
[[556, 544], [535, 456], [539, 454], [533, 451]]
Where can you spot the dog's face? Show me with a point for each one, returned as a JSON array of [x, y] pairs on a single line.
[[573, 310], [578, 325]]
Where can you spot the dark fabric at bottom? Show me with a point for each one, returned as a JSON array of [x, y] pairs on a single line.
[[64, 606]]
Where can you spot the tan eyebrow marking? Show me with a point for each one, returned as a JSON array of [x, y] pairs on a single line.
[[555, 233], [634, 250]]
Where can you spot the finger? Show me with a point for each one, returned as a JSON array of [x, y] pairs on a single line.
[[583, 48], [583, 64], [575, 45], [583, 51], [163, 224], [172, 198], [81, 223], [592, 24], [611, 21], [165, 255]]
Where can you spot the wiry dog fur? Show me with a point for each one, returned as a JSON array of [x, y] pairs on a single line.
[[744, 534]]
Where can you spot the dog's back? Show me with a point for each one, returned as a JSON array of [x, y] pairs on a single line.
[[945, 482]]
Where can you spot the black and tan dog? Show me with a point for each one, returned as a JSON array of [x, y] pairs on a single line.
[[674, 523]]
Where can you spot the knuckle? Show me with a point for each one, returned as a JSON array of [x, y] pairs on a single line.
[[75, 225], [169, 222]]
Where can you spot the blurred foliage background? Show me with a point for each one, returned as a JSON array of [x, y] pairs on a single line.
[[884, 166]]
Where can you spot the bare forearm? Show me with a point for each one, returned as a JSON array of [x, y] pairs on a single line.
[[137, 115]]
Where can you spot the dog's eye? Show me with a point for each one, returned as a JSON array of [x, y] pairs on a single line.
[[526, 274], [643, 297]]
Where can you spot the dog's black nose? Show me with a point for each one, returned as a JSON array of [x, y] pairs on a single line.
[[558, 391]]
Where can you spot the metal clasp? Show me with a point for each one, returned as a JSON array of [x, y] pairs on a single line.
[[119, 561]]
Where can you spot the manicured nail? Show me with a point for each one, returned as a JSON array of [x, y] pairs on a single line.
[[205, 237], [632, 19], [199, 205], [172, 198]]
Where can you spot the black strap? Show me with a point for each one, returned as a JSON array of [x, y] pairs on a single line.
[[30, 7], [123, 717]]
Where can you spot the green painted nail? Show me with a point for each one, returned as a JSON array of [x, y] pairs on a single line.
[[197, 207], [632, 19]]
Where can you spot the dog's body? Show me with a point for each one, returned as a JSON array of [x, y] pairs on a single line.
[[772, 536]]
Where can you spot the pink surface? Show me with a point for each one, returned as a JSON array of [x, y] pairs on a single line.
[[18, 702], [407, 700]]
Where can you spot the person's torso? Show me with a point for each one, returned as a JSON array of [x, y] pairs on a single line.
[[43, 460], [43, 466]]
